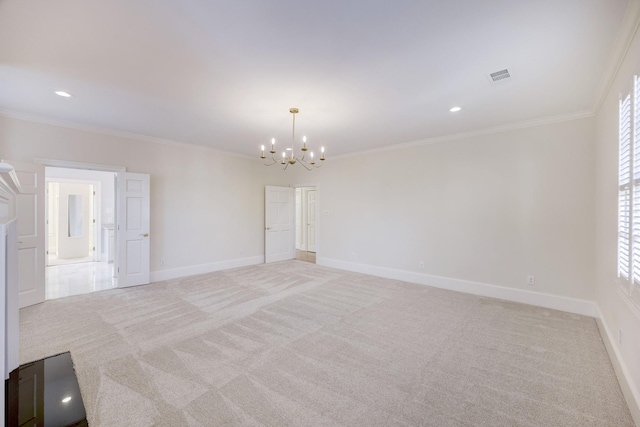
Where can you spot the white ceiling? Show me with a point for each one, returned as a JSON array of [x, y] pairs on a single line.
[[364, 73]]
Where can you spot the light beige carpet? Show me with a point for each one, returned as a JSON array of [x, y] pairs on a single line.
[[295, 344]]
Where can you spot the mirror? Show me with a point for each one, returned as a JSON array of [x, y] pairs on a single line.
[[75, 215]]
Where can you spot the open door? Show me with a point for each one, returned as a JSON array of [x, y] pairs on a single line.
[[311, 220], [279, 224], [132, 229], [29, 210]]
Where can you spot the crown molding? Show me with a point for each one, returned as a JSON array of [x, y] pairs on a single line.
[[111, 132], [401, 146], [626, 34], [478, 132]]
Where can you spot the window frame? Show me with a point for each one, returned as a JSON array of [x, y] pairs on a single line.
[[628, 193]]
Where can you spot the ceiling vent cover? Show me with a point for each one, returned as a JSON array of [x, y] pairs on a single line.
[[500, 77]]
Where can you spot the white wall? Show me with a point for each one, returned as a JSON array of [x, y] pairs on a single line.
[[491, 209], [617, 314], [206, 206]]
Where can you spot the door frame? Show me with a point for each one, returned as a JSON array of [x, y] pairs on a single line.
[[317, 188], [56, 163]]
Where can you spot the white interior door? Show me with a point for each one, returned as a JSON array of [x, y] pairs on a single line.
[[29, 210], [298, 200], [279, 224], [311, 220], [132, 230], [9, 298]]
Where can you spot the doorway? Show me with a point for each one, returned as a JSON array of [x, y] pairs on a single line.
[[79, 212], [71, 224], [305, 223]]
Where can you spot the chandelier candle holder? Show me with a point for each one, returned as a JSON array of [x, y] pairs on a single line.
[[291, 158]]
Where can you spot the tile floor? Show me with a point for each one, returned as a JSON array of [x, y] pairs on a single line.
[[81, 278], [54, 260]]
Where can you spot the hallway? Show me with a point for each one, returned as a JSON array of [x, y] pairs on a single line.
[[80, 278]]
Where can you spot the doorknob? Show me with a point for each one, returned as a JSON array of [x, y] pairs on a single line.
[[145, 235]]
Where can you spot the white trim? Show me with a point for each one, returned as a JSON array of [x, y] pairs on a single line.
[[318, 211], [478, 132], [626, 33], [192, 270], [79, 165], [400, 146], [629, 389], [623, 293], [110, 132], [555, 302]]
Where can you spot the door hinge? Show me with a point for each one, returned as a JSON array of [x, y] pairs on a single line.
[[118, 269], [94, 249], [47, 252], [94, 193], [94, 221]]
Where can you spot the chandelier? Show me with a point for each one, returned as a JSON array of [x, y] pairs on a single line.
[[291, 159]]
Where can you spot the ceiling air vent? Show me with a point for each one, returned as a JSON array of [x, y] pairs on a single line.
[[499, 77]]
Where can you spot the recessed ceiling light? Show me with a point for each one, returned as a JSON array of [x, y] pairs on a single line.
[[63, 93], [66, 399], [455, 109]]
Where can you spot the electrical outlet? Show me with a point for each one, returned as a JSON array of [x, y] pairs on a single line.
[[620, 336], [353, 256], [421, 265], [241, 251], [162, 261], [531, 280]]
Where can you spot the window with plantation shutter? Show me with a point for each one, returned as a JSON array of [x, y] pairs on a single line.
[[629, 192], [634, 285], [624, 190]]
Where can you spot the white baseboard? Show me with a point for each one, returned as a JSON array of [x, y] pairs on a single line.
[[175, 273], [629, 389], [555, 302]]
